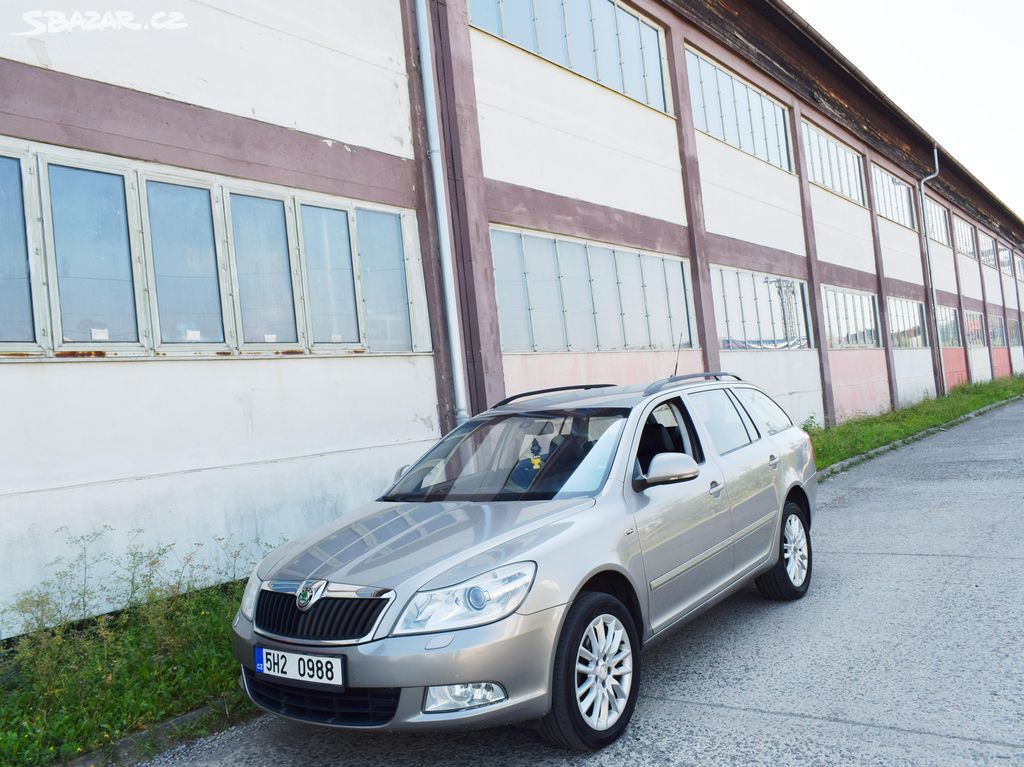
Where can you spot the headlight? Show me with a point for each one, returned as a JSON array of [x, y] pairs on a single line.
[[483, 599], [252, 590]]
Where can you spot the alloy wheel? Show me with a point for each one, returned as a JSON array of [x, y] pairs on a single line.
[[604, 672]]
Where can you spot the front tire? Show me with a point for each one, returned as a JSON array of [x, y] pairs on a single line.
[[791, 576], [596, 677]]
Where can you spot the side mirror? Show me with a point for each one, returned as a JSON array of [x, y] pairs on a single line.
[[399, 473], [667, 468]]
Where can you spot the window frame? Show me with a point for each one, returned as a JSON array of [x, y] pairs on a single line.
[[136, 254], [832, 333], [319, 201], [224, 285], [748, 306], [618, 7], [890, 199], [678, 315], [721, 68], [38, 273], [933, 205], [973, 240], [994, 264], [36, 158], [811, 129], [254, 189]]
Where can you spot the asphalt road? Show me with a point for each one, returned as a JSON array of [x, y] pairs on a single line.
[[908, 649]]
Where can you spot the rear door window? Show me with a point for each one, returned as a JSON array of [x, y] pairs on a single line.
[[763, 410], [721, 419]]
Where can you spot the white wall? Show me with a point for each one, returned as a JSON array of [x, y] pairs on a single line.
[[1017, 359], [981, 364], [793, 378], [187, 450], [545, 127], [993, 288], [943, 267], [333, 69], [1010, 291], [970, 278], [915, 377], [842, 231], [749, 199], [901, 252]]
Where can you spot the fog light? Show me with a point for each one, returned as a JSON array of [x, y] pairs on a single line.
[[456, 697]]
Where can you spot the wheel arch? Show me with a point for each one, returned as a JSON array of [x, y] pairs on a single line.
[[617, 584], [798, 495]]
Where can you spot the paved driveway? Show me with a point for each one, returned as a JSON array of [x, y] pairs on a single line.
[[908, 649]]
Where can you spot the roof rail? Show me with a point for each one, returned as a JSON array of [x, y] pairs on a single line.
[[549, 391], [659, 385]]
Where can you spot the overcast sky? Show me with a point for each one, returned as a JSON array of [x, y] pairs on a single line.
[[955, 67]]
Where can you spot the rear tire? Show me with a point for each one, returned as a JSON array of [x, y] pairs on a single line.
[[596, 677], [791, 576]]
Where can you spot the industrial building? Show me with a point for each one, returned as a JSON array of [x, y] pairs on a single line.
[[224, 259]]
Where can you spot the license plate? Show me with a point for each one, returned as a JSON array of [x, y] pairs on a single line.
[[305, 668]]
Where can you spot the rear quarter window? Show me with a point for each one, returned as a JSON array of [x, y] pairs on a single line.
[[763, 410]]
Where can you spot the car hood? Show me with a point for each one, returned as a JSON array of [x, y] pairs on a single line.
[[385, 545]]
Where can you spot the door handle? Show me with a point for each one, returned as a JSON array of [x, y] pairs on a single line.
[[716, 488], [773, 461]]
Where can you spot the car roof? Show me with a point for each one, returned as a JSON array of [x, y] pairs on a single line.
[[603, 396]]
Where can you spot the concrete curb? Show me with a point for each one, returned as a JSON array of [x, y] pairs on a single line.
[[136, 746], [849, 463]]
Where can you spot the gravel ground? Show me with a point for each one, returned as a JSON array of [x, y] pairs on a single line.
[[907, 650]]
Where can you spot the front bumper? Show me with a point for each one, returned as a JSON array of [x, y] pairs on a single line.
[[517, 652]]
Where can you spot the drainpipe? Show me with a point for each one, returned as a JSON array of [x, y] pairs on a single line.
[[934, 321], [444, 235]]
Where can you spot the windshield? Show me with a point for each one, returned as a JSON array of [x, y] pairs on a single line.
[[517, 457]]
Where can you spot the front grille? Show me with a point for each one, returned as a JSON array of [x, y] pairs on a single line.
[[328, 619], [352, 707]]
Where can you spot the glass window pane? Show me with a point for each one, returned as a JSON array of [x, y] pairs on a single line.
[[653, 74], [631, 291], [656, 296], [15, 286], [485, 14], [734, 311], [609, 70], [264, 273], [576, 295], [760, 134], [94, 262], [332, 290], [728, 101], [184, 263], [632, 57], [580, 31], [382, 280], [746, 132], [545, 294], [551, 31], [712, 99], [781, 135], [517, 16], [700, 120], [604, 282], [748, 308], [510, 285], [771, 117], [721, 419], [679, 302], [763, 410]]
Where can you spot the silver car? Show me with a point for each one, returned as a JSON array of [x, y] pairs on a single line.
[[516, 571]]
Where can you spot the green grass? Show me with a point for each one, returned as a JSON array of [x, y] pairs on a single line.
[[74, 690], [859, 435]]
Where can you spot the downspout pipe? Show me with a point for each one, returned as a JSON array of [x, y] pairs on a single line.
[[934, 320], [444, 235]]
